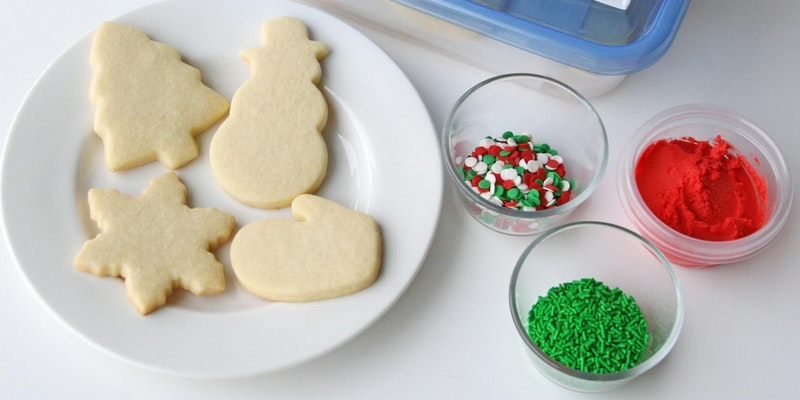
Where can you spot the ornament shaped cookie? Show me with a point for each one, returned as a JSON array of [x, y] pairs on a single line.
[[155, 242], [270, 148], [149, 105], [326, 251]]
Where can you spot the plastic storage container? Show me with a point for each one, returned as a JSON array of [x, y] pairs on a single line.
[[589, 46], [585, 34]]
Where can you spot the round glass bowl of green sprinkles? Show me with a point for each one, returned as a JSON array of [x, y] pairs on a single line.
[[523, 151], [595, 304]]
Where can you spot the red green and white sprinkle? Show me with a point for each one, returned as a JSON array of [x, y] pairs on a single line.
[[513, 171]]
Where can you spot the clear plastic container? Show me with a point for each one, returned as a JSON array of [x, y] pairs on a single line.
[[458, 31], [581, 33], [704, 122]]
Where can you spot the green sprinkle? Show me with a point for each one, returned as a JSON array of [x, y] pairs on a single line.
[[508, 134], [587, 326], [484, 184], [499, 191], [545, 147], [471, 174], [489, 159], [521, 138], [513, 193], [505, 153]]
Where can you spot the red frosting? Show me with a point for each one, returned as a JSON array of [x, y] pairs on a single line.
[[704, 189]]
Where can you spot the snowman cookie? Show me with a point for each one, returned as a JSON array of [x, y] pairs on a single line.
[[270, 148]]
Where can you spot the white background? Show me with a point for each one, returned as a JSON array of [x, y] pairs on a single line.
[[451, 334]]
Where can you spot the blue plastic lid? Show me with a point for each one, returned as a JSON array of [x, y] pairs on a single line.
[[581, 33]]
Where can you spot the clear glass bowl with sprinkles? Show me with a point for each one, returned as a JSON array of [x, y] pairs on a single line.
[[595, 304], [524, 151]]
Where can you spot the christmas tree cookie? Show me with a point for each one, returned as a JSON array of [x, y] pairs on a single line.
[[149, 104]]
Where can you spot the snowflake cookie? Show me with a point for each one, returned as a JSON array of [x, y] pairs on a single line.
[[155, 242]]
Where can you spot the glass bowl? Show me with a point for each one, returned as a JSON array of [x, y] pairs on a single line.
[[552, 113], [750, 144], [615, 256]]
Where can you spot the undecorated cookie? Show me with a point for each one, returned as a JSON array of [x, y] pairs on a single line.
[[326, 251], [270, 148], [155, 242], [149, 105]]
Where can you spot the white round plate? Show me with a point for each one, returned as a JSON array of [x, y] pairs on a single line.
[[377, 127]]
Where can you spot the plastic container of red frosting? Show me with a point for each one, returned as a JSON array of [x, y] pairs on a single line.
[[705, 185]]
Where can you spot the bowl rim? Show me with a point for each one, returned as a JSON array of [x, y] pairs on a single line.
[[630, 373], [693, 251], [565, 208]]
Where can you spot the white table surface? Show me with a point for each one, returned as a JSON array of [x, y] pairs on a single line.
[[450, 335]]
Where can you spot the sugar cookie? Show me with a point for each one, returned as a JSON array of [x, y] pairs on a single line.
[[149, 104], [327, 251], [270, 148], [155, 242]]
